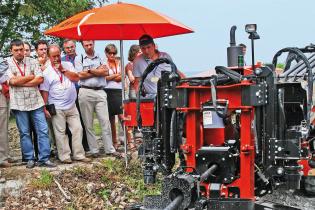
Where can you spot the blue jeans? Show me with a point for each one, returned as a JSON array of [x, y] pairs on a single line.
[[23, 124]]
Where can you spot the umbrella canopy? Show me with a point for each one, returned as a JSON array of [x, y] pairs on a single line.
[[119, 21]]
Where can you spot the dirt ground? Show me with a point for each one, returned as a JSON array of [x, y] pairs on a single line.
[[103, 184]]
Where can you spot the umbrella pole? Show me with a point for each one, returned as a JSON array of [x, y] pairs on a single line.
[[123, 96]]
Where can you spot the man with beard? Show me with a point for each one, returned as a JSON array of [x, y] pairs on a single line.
[[59, 90]]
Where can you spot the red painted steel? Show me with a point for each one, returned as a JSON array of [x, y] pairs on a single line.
[[197, 136], [146, 110]]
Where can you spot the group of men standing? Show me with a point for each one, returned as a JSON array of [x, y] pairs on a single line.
[[62, 89]]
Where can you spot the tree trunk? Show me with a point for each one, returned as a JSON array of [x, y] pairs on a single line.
[[9, 26]]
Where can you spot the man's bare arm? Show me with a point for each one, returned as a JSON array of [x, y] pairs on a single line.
[[85, 75], [72, 76], [101, 71], [44, 95], [45, 98], [19, 81], [34, 82]]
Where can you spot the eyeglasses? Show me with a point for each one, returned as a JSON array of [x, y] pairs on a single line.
[[111, 53]]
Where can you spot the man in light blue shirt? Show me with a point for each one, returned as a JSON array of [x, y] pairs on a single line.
[[92, 97]]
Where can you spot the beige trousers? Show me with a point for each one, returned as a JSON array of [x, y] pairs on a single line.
[[91, 101], [72, 117], [4, 123]]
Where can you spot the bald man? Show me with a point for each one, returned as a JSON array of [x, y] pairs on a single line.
[[59, 91]]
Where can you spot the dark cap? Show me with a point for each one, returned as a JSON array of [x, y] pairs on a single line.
[[145, 40]]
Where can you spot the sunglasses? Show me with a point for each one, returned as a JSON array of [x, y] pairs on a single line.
[[111, 53]]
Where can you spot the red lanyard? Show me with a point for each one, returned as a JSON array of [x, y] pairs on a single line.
[[22, 73], [59, 75]]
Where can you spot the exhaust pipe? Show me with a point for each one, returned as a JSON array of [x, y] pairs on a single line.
[[233, 51]]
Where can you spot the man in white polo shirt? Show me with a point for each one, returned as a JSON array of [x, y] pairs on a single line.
[[59, 89]]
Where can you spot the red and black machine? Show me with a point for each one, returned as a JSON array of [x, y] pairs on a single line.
[[237, 134]]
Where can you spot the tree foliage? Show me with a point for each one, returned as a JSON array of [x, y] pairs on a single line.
[[28, 19]]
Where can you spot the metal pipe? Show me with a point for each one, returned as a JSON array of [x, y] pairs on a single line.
[[122, 70], [253, 55], [232, 36], [208, 172], [172, 132], [175, 203]]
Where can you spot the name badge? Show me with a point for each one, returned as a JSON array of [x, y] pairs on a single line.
[[155, 79], [62, 86]]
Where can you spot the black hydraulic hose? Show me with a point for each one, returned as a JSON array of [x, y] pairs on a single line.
[[174, 205], [298, 67], [236, 77], [148, 70], [208, 172], [300, 54], [222, 114]]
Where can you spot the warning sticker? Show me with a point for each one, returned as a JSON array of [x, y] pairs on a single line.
[[207, 118]]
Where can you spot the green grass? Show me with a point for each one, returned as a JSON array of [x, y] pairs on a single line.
[[281, 65], [105, 193], [132, 177], [45, 180], [79, 170], [12, 120]]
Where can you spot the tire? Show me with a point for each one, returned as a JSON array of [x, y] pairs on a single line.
[[309, 185]]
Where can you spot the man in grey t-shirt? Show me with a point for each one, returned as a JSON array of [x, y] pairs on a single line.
[[149, 54]]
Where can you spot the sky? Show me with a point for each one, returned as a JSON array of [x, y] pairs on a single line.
[[280, 23]]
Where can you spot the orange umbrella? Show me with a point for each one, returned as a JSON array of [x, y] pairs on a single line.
[[119, 21]]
